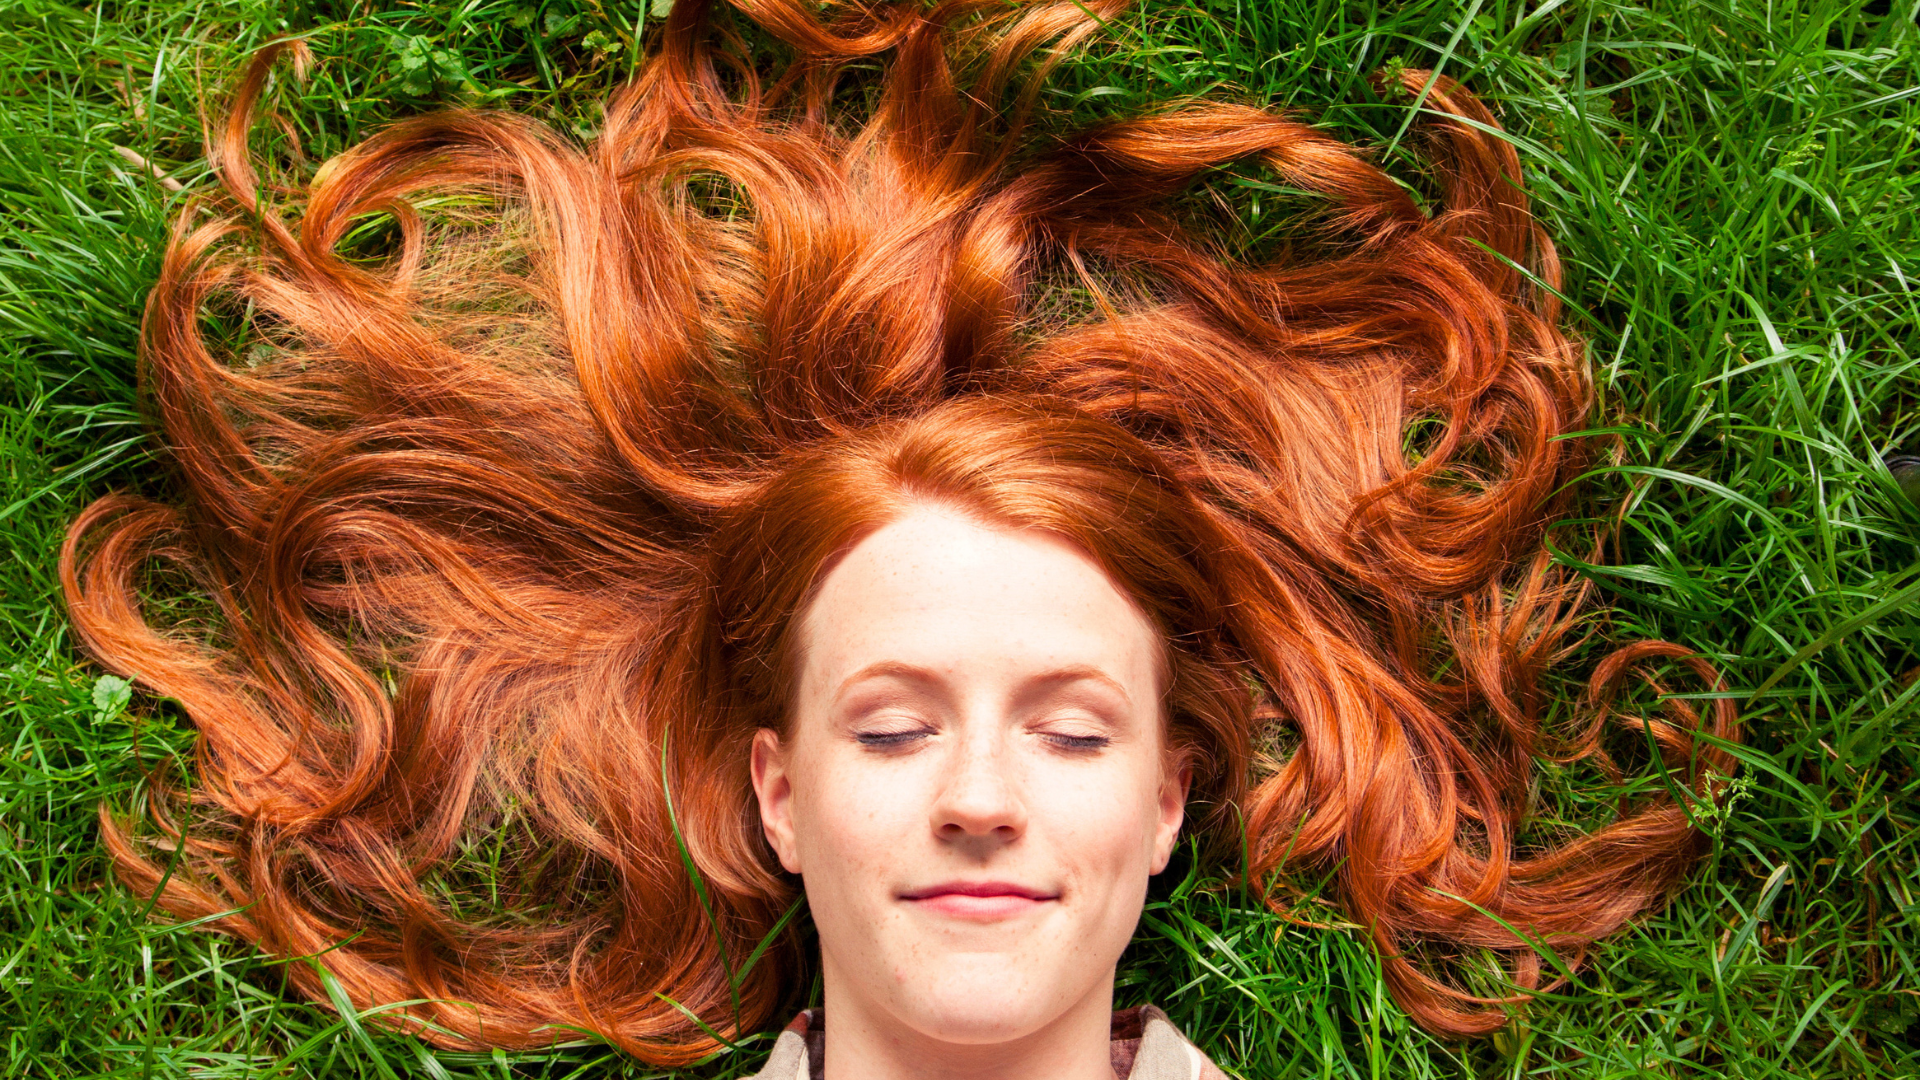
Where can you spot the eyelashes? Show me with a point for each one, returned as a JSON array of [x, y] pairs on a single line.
[[1079, 743], [882, 740]]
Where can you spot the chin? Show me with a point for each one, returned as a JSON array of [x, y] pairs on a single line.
[[977, 1000]]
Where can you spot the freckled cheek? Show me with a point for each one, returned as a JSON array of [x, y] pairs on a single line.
[[861, 845], [852, 833], [1105, 844]]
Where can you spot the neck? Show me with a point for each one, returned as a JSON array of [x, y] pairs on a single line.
[[865, 1042]]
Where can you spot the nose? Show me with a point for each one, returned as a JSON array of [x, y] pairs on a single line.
[[979, 802]]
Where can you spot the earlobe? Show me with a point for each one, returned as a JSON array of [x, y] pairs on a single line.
[[774, 791], [1173, 811]]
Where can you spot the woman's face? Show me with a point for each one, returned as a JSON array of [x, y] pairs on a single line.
[[975, 787]]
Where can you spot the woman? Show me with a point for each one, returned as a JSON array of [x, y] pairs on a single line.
[[913, 513], [983, 744]]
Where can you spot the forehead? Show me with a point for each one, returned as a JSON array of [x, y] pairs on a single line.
[[938, 590]]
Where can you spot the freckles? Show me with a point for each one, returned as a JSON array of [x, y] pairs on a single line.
[[908, 964]]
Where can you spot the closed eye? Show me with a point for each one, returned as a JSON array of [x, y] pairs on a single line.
[[1078, 742], [882, 740]]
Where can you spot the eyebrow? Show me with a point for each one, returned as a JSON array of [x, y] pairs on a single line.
[[913, 673]]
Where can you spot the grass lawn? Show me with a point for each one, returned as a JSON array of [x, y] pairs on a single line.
[[1734, 190]]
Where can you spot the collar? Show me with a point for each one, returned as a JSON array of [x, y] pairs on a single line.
[[1145, 1046]]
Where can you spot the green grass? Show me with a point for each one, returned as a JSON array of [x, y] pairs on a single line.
[[1733, 187]]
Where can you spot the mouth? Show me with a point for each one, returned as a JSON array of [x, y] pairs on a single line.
[[979, 901]]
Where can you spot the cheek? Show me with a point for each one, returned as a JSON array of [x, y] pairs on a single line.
[[1103, 818], [849, 822]]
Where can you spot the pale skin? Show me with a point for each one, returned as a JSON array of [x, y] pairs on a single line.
[[974, 788]]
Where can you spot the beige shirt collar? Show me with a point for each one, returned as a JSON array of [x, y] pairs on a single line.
[[1146, 1046]]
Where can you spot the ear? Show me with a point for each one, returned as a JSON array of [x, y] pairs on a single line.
[[774, 790], [1173, 810]]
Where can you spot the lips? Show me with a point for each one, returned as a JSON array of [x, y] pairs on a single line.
[[979, 901]]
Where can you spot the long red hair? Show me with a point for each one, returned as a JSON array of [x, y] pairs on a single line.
[[501, 533]]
